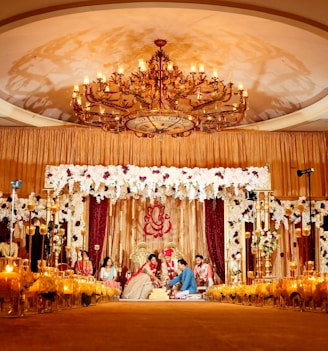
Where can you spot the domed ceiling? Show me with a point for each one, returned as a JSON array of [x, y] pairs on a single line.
[[282, 62]]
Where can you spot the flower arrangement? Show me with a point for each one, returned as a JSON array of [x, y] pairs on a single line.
[[155, 182], [265, 240]]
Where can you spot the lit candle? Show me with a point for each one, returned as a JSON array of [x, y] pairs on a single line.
[[76, 88], [201, 68], [170, 66], [215, 74], [86, 81], [193, 68], [120, 70]]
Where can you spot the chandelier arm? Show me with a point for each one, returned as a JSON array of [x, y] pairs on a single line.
[[141, 100], [112, 104]]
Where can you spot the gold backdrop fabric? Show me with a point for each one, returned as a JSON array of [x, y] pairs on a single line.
[[25, 151]]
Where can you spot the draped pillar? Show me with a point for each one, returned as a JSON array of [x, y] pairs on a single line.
[[214, 229], [97, 226]]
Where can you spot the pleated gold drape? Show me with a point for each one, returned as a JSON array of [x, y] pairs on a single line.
[[24, 153]]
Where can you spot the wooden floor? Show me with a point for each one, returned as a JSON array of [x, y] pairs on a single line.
[[169, 326]]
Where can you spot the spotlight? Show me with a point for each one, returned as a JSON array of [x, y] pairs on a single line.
[[304, 171]]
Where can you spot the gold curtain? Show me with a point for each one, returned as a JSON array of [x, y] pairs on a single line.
[[24, 153]]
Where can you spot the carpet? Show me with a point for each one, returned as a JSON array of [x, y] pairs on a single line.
[[157, 326]]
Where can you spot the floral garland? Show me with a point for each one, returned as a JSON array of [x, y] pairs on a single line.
[[119, 182]]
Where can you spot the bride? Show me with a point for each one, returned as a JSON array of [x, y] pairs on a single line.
[[141, 283]]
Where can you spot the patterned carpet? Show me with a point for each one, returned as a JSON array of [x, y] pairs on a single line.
[[158, 326]]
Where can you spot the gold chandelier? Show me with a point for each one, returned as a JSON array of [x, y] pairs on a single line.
[[160, 99]]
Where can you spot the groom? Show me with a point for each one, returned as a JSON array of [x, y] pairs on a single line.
[[187, 278]]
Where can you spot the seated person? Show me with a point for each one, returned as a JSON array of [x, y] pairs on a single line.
[[108, 273], [141, 283], [187, 278], [169, 268], [5, 248], [83, 266], [203, 272]]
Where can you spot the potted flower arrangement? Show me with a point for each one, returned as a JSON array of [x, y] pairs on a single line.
[[266, 241]]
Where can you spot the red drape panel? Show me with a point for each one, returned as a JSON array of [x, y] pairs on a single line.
[[214, 227], [97, 226]]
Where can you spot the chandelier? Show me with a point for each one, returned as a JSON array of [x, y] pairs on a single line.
[[160, 99]]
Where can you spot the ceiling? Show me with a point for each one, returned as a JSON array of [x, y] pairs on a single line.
[[279, 53]]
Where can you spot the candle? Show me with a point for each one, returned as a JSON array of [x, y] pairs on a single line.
[[250, 274], [6, 279]]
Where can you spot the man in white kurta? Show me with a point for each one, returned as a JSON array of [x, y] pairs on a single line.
[[5, 248], [203, 272]]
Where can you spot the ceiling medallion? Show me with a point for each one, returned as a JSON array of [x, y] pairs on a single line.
[[160, 99]]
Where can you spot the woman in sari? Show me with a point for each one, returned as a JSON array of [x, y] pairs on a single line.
[[108, 273], [141, 283], [84, 266]]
